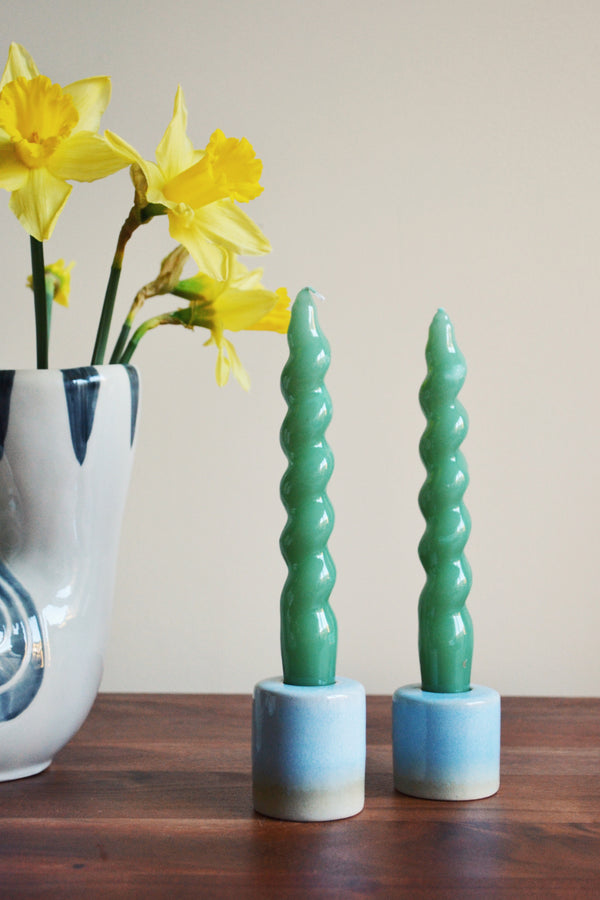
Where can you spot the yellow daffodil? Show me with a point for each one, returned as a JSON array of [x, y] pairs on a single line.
[[58, 281], [236, 303], [199, 189], [48, 137], [277, 319]]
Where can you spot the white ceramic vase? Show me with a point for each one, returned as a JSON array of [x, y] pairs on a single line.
[[66, 447]]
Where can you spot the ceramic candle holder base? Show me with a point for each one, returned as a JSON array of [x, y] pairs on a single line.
[[308, 750], [446, 746]]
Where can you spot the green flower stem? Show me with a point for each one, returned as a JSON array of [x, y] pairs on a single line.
[[137, 216], [107, 311], [49, 302], [122, 340], [139, 333], [40, 302], [170, 273]]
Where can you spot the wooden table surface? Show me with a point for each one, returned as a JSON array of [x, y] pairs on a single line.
[[152, 798]]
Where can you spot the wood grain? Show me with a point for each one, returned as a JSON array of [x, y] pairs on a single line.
[[152, 798]]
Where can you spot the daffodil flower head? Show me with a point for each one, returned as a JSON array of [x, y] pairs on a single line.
[[48, 137], [200, 188], [58, 281], [236, 302]]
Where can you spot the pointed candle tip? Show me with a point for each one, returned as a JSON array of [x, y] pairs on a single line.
[[441, 338], [442, 323], [309, 292]]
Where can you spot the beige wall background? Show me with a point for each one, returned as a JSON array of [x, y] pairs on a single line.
[[416, 155]]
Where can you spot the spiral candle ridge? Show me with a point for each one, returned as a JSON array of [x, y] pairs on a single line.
[[445, 628], [308, 624]]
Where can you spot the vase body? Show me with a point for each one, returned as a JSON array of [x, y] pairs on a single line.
[[66, 447]]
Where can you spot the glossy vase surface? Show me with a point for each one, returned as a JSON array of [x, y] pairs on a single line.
[[66, 448]]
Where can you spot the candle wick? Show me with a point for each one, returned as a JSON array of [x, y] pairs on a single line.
[[315, 293]]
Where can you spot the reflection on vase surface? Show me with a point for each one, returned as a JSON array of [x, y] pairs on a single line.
[[21, 647]]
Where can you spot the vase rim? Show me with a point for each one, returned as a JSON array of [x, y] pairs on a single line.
[[104, 367]]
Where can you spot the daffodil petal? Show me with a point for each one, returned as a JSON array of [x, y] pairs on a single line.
[[241, 309], [13, 174], [226, 224], [237, 368], [39, 202], [90, 97], [152, 173], [122, 147], [175, 153], [85, 157], [222, 366], [19, 64], [244, 278], [155, 182], [209, 257]]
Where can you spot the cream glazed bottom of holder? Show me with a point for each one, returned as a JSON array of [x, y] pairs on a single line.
[[66, 447]]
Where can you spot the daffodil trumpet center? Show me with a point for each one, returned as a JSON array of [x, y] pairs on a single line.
[[194, 187], [228, 169], [37, 116]]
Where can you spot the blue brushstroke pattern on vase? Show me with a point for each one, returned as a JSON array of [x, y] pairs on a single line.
[[134, 382], [81, 391], [7, 378]]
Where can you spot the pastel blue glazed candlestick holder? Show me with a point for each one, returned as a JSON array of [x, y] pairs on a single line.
[[309, 750], [446, 746], [445, 731], [309, 727]]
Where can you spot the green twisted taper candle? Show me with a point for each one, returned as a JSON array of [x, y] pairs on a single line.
[[308, 625], [445, 628]]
